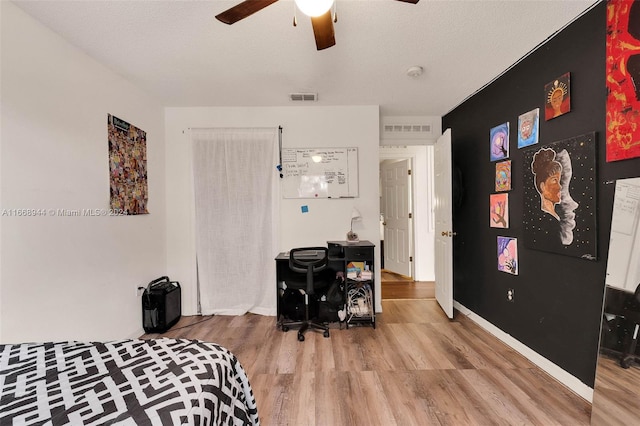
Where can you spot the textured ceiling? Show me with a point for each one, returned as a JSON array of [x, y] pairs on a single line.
[[180, 54]]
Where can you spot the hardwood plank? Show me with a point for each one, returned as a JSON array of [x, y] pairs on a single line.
[[416, 368], [615, 396], [407, 289]]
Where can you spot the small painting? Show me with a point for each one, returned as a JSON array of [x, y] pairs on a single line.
[[499, 210], [623, 80], [528, 128], [508, 255], [557, 97], [503, 176], [500, 142]]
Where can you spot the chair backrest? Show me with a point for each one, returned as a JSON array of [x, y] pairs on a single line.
[[309, 261]]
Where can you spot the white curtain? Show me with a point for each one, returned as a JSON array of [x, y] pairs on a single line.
[[236, 204]]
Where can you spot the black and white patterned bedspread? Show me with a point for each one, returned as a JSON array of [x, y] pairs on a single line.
[[135, 382]]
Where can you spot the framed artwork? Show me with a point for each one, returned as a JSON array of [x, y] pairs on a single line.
[[499, 137], [508, 255], [503, 176], [557, 97], [623, 80], [127, 167], [499, 210], [528, 128], [559, 189]]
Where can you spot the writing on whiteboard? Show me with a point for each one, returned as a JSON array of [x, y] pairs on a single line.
[[320, 172]]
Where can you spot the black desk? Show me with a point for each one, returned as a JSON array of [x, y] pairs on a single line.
[[359, 289]]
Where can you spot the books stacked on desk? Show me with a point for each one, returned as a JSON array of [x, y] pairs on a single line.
[[359, 271]]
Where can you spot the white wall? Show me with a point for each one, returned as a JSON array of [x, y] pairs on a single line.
[[303, 126], [70, 277]]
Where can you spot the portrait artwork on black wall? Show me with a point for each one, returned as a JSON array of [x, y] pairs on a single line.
[[559, 181], [499, 136], [557, 97], [508, 255], [503, 176], [499, 210]]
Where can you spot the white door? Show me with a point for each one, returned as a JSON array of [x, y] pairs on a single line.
[[443, 223], [396, 190]]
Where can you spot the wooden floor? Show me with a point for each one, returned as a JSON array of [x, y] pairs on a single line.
[[616, 400], [416, 368], [395, 286]]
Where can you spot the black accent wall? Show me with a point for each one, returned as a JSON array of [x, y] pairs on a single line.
[[557, 306]]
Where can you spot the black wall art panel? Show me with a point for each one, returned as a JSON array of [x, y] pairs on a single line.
[[559, 184]]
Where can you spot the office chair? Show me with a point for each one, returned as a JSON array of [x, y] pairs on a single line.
[[310, 267], [631, 313]]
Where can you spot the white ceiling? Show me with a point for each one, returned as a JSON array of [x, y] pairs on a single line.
[[180, 54]]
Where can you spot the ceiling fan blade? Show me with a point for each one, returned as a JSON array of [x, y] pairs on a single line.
[[242, 10], [410, 1], [323, 31]]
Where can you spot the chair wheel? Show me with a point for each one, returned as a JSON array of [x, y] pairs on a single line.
[[326, 333], [625, 362], [300, 337], [285, 328]]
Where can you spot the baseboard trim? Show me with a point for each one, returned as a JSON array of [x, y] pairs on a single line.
[[561, 375]]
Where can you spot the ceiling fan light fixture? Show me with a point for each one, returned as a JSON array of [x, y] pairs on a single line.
[[314, 8]]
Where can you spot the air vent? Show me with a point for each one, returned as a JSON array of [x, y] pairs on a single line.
[[407, 131], [303, 97]]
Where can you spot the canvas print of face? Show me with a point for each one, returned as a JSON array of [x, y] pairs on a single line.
[[623, 80], [508, 255], [559, 182], [499, 210], [557, 97], [499, 136], [528, 128], [503, 176]]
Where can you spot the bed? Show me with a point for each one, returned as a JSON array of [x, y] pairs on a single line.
[[149, 382]]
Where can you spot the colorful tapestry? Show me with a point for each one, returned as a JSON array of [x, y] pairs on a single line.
[[559, 182], [127, 167], [623, 79]]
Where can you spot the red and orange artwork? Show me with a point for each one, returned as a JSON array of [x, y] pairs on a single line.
[[623, 79]]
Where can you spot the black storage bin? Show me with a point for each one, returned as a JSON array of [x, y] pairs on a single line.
[[161, 305]]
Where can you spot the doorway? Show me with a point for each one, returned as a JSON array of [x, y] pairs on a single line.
[[399, 287], [420, 242]]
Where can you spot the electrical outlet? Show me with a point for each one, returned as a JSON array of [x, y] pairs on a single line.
[[510, 295], [139, 291]]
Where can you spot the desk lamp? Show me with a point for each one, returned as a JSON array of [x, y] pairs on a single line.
[[352, 237]]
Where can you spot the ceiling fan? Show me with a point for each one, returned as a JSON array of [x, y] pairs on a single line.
[[321, 20]]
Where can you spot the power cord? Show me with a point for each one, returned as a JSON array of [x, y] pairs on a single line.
[[192, 324]]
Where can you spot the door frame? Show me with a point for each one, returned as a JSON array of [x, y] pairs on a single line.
[[404, 263], [421, 156]]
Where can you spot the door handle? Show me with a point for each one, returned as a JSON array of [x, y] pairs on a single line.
[[448, 234]]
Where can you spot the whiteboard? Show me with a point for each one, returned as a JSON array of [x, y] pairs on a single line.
[[623, 263], [320, 172], [625, 207]]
